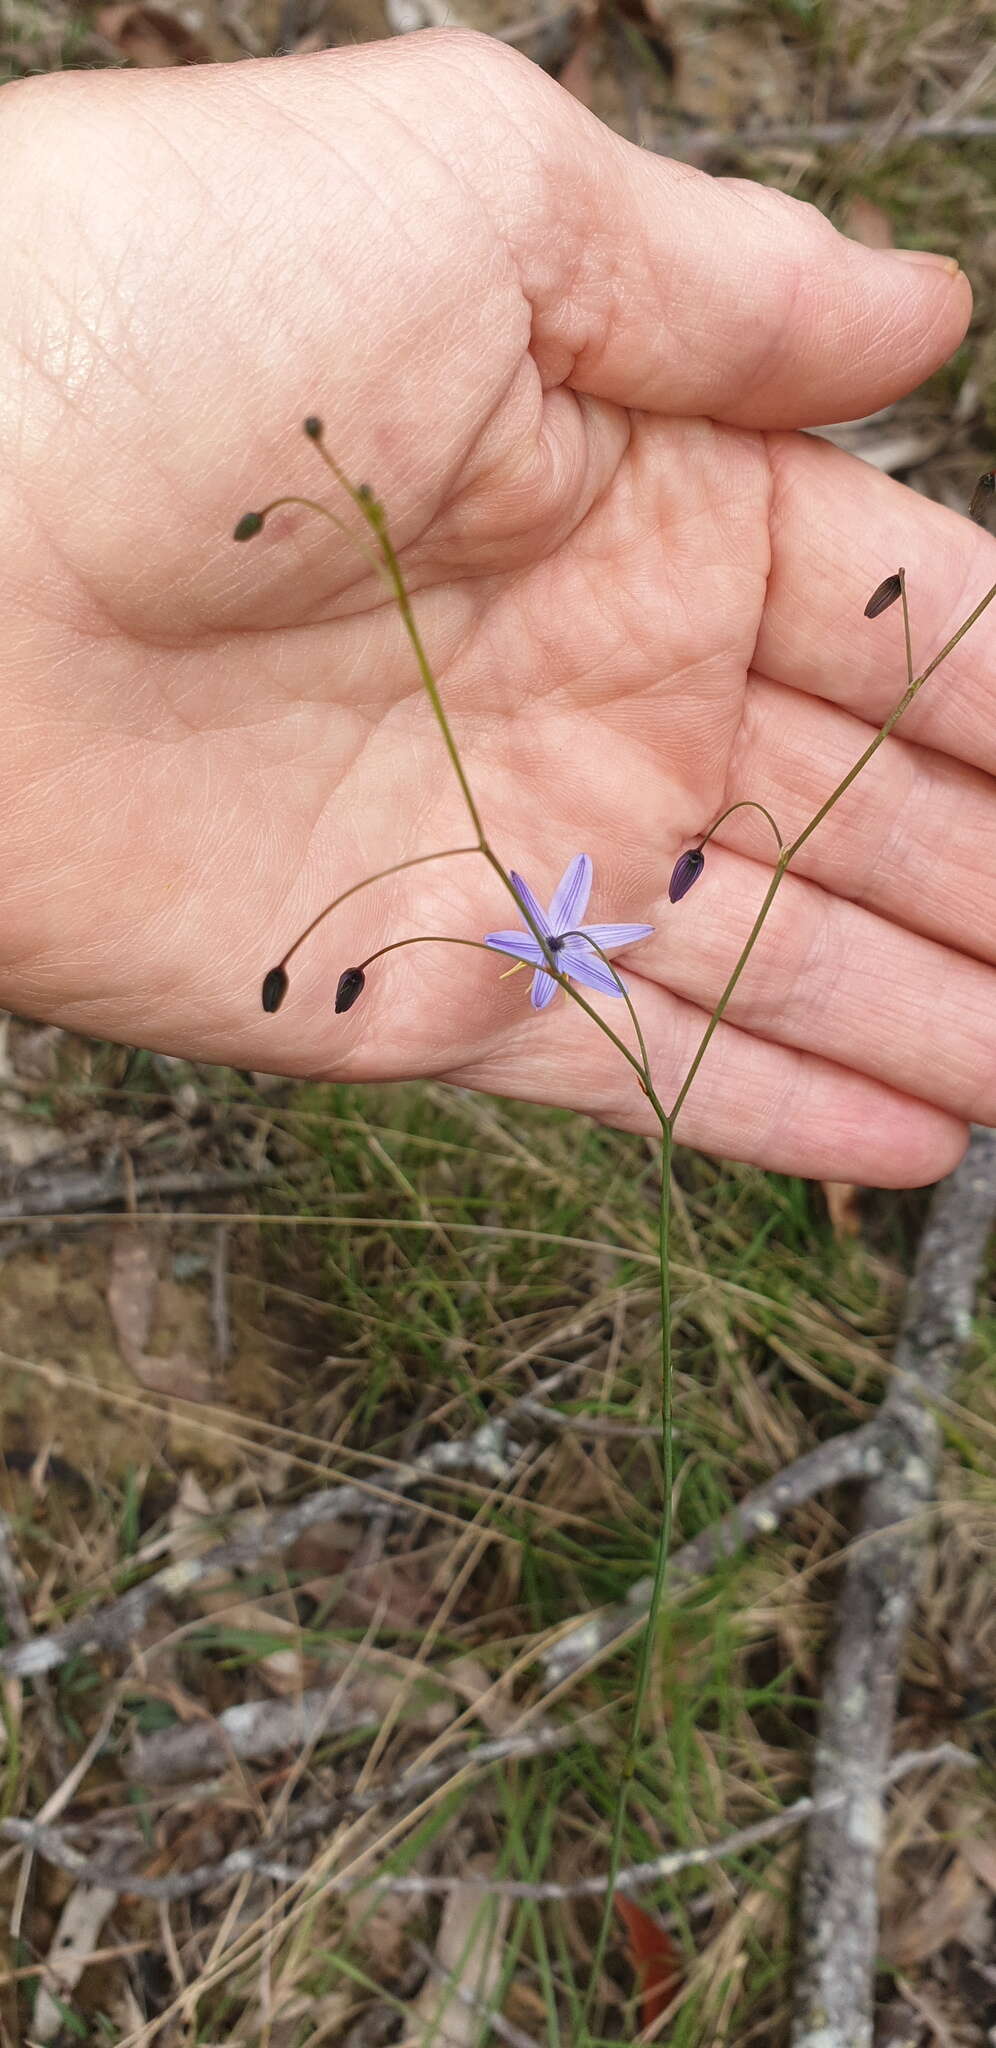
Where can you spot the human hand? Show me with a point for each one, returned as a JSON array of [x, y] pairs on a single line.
[[571, 372]]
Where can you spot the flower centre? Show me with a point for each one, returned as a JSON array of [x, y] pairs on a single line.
[[556, 944]]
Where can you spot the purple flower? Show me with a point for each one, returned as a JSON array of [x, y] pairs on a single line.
[[565, 936]]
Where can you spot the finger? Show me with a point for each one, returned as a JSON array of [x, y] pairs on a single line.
[[759, 1098], [680, 293], [833, 979], [837, 528], [913, 838], [789, 1112]]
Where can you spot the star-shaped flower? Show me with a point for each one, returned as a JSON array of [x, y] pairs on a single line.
[[565, 936]]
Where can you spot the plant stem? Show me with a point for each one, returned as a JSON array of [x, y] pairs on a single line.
[[648, 1641], [788, 853]]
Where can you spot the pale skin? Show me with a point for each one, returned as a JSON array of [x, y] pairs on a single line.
[[574, 374]]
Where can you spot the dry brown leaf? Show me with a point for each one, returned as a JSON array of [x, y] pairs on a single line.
[[469, 1953], [181, 1377], [132, 1292], [132, 1298], [841, 1198], [914, 1936], [382, 1934], [471, 1679], [980, 1856], [150, 37]]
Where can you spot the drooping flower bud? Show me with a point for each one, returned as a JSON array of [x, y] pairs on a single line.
[[885, 595], [274, 989], [351, 985], [313, 427], [249, 525], [686, 870]]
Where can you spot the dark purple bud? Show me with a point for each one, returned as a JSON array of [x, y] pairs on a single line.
[[249, 525], [274, 989], [351, 985], [983, 506], [313, 427], [885, 595], [687, 869]]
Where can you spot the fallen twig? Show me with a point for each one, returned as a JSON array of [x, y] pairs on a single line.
[[81, 1188], [490, 1451], [53, 1846], [693, 145], [857, 1455], [253, 1729], [839, 1901]]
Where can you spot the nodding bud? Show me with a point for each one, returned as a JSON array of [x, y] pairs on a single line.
[[885, 595], [983, 506], [274, 989], [313, 427], [686, 870], [249, 525], [351, 985]]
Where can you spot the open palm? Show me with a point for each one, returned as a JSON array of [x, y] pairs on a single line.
[[574, 376]]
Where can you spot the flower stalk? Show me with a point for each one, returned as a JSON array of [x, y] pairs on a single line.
[[563, 951]]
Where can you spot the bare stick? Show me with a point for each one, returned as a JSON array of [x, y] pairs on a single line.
[[490, 1451], [253, 1729], [53, 1846], [839, 1903], [79, 1189], [695, 143], [854, 1456]]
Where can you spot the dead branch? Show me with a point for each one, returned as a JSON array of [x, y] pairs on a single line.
[[854, 1456], [52, 1844], [253, 1729], [696, 145], [490, 1452], [77, 1189], [839, 1899]]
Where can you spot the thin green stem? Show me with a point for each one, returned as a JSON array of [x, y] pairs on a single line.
[[562, 980], [746, 803], [715, 1019], [332, 519], [627, 999], [648, 1642], [788, 853], [387, 564], [378, 524], [373, 512], [397, 868], [907, 635]]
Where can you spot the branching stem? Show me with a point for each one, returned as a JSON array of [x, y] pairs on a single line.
[[386, 561]]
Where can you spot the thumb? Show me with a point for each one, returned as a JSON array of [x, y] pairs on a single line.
[[684, 294]]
